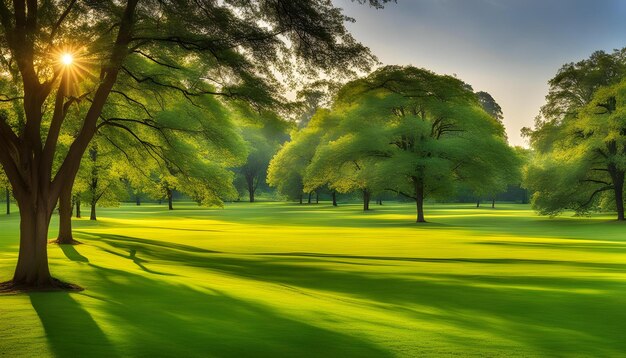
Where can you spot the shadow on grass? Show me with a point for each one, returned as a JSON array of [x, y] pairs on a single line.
[[70, 329], [162, 318], [553, 314], [70, 252]]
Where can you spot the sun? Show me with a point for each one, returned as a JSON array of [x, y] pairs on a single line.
[[67, 59]]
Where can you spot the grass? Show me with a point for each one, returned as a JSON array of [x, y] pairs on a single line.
[[275, 279]]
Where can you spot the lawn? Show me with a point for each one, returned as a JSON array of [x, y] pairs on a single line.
[[276, 279]]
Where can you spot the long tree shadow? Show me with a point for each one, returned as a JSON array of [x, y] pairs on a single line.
[[70, 329], [159, 318], [554, 314]]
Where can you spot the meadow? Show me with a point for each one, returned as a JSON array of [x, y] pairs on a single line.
[[277, 279]]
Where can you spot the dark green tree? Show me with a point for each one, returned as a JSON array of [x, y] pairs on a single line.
[[578, 140]]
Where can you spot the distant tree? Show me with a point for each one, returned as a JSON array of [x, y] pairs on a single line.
[[287, 167], [489, 104], [263, 137], [500, 179], [416, 133], [578, 139], [102, 178], [333, 165]]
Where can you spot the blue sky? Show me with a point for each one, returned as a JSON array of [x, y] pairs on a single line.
[[509, 48]]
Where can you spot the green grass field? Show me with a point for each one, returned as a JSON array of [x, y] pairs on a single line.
[[275, 279]]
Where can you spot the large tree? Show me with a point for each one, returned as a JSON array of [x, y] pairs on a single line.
[[416, 133], [65, 53], [578, 139]]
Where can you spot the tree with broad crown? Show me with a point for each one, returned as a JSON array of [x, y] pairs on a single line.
[[419, 134], [587, 159], [230, 49], [577, 158]]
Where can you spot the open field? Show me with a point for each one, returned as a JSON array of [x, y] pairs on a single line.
[[276, 279]]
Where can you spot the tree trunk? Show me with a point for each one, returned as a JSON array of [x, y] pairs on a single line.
[[617, 176], [300, 198], [77, 200], [478, 203], [317, 197], [310, 193], [93, 215], [419, 200], [170, 199], [65, 217], [8, 195], [334, 198], [366, 200], [493, 202], [251, 188], [138, 200], [32, 264]]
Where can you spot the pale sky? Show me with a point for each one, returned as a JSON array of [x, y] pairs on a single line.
[[509, 48]]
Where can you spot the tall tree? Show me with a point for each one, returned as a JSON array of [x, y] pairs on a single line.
[[588, 159], [122, 48], [578, 140], [416, 133]]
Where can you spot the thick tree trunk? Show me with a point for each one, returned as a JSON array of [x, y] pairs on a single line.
[[170, 199], [32, 264], [334, 198], [617, 176], [77, 201], [138, 200], [8, 196], [310, 193], [300, 198], [419, 200], [65, 217], [366, 200]]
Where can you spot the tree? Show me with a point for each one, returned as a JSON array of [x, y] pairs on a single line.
[[333, 162], [286, 169], [121, 49], [263, 137], [500, 178], [578, 140], [415, 133], [588, 159]]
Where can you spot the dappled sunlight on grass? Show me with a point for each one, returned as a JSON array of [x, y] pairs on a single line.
[[309, 280]]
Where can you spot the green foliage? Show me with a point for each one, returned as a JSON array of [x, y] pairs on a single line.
[[581, 145], [413, 132]]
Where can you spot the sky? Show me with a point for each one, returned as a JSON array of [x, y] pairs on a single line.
[[509, 48]]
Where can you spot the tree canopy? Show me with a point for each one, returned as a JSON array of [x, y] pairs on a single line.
[[579, 142], [121, 62]]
